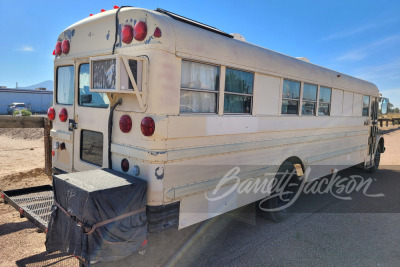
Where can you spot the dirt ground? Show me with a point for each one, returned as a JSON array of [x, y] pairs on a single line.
[[22, 165]]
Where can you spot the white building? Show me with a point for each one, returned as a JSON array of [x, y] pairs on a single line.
[[38, 101]]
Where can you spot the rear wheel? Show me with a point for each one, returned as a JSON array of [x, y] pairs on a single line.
[[275, 208]]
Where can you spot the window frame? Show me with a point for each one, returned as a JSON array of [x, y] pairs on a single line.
[[323, 102], [217, 92], [79, 91], [298, 100], [242, 94], [56, 91]]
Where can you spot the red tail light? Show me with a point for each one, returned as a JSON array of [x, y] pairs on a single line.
[[51, 114], [103, 10], [116, 7], [54, 52], [147, 126], [125, 165], [127, 34], [65, 46], [63, 115], [58, 49], [125, 124], [2, 195], [53, 153], [90, 15], [140, 30], [157, 33]]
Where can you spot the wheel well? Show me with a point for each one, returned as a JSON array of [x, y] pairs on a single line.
[[294, 160]]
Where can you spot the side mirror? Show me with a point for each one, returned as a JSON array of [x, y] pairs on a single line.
[[86, 99], [384, 106]]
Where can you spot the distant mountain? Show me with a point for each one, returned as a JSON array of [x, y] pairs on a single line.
[[46, 84]]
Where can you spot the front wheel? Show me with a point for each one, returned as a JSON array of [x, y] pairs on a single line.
[[377, 159]]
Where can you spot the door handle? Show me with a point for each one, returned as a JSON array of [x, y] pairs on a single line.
[[72, 125]]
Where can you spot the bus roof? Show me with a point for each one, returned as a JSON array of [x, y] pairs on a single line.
[[96, 36]]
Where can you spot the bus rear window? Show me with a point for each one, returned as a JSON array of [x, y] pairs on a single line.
[[86, 98], [65, 85]]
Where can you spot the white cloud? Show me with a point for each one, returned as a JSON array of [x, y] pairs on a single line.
[[26, 48], [354, 31], [343, 34], [389, 72], [363, 52]]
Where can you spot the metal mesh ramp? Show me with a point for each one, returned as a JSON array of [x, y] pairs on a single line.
[[38, 205], [33, 203]]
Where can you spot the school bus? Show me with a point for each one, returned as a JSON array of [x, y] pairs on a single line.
[[179, 103]]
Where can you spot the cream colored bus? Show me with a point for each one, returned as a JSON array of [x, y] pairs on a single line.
[[180, 104]]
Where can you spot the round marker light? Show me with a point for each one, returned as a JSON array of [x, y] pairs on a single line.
[[140, 30], [157, 33], [125, 165], [127, 34], [125, 124], [135, 170], [51, 114], [147, 126], [58, 49], [63, 115], [65, 46]]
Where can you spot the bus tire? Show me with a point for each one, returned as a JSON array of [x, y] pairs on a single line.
[[377, 159], [276, 202]]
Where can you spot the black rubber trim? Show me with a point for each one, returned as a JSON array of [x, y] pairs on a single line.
[[162, 217], [193, 22]]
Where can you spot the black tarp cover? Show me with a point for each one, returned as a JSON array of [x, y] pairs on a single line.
[[92, 197]]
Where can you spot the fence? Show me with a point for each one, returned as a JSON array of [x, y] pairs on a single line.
[[32, 122]]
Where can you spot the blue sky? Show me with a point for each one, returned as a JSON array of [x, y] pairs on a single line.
[[359, 38]]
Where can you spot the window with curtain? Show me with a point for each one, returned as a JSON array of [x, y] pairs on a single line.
[[309, 99], [365, 109], [324, 107], [290, 97], [238, 91], [199, 87]]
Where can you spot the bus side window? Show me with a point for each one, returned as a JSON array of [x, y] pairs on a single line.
[[365, 108], [199, 87], [238, 91], [290, 97], [309, 99], [324, 108]]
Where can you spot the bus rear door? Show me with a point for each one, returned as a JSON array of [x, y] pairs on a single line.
[[90, 124]]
